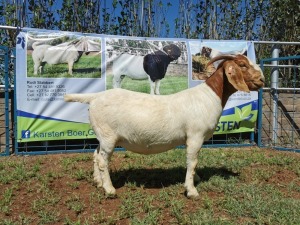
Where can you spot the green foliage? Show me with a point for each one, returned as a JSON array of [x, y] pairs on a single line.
[[217, 19], [270, 20]]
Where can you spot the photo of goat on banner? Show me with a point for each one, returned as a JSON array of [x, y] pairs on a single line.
[[240, 112], [50, 65], [155, 67], [63, 56], [204, 53]]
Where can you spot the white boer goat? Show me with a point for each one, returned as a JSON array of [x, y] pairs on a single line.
[[150, 124], [44, 53], [152, 66], [67, 52]]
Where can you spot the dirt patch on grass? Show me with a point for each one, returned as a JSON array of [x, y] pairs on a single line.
[[59, 189]]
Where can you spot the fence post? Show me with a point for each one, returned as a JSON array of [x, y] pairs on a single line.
[[259, 117], [6, 100], [274, 93]]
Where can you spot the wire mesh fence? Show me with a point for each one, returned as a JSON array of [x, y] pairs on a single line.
[[280, 113]]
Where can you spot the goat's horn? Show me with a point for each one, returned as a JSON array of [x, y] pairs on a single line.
[[220, 57]]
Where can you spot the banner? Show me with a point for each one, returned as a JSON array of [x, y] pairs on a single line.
[[53, 63]]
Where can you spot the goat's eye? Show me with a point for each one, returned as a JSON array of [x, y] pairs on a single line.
[[243, 65]]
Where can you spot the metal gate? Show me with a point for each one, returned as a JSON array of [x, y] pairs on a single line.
[[7, 62], [279, 112]]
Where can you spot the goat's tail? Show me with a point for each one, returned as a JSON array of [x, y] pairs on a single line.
[[35, 44], [83, 98]]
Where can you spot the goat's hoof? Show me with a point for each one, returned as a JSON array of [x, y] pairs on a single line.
[[111, 196], [99, 185], [110, 191], [193, 195]]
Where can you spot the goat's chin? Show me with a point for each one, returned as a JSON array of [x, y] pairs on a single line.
[[254, 86]]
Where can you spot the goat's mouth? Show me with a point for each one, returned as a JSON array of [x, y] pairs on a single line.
[[257, 84]]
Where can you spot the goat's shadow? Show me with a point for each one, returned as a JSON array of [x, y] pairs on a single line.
[[158, 178], [87, 70]]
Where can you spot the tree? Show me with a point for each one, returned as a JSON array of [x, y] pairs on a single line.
[[80, 15], [10, 13], [276, 20], [284, 21], [41, 14]]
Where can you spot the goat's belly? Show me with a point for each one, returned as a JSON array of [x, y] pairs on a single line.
[[147, 149], [141, 76]]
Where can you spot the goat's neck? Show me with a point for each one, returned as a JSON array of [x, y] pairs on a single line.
[[219, 83]]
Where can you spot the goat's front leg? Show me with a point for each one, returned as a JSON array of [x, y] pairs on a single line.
[[70, 64], [102, 159], [152, 86], [157, 85], [117, 79], [193, 148]]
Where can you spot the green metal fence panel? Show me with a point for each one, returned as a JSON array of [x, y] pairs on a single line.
[[279, 119]]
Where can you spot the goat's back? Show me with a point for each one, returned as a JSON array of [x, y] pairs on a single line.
[[58, 54]]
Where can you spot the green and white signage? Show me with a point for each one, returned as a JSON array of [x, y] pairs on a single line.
[[53, 63]]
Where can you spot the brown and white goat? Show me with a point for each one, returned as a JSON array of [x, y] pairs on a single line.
[[150, 124]]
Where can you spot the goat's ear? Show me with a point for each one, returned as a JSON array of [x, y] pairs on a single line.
[[235, 76]]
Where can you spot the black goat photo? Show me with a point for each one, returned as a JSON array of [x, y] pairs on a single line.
[[142, 66]]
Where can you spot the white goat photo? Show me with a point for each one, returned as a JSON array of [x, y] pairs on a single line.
[[150, 124], [60, 56], [136, 61]]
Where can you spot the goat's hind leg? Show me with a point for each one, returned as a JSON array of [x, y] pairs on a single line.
[[101, 171], [97, 172]]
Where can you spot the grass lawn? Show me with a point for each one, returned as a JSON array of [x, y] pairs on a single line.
[[168, 85], [238, 186]]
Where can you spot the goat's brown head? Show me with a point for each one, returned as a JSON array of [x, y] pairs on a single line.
[[241, 72]]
